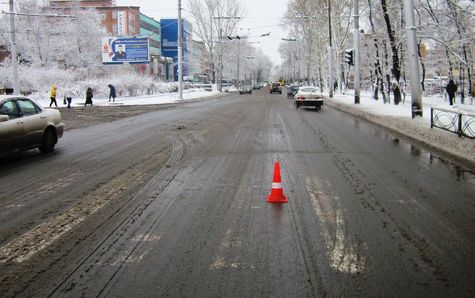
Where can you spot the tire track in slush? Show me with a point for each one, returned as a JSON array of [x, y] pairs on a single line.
[[118, 240], [363, 191]]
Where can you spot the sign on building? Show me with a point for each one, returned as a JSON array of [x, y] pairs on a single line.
[[121, 23], [125, 50]]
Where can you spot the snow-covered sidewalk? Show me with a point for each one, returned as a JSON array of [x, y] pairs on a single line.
[[398, 118], [160, 98]]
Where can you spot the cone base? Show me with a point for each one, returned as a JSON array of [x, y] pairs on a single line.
[[276, 199]]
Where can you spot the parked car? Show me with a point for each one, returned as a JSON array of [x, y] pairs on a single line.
[[245, 89], [275, 88], [309, 96], [25, 125], [292, 90]]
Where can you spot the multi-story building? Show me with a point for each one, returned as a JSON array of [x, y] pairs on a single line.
[[118, 20]]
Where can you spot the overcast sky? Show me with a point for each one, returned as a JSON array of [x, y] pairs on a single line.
[[262, 16]]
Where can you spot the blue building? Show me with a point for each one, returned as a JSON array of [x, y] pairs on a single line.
[[170, 43]]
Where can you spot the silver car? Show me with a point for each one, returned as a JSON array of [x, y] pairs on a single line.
[[25, 125]]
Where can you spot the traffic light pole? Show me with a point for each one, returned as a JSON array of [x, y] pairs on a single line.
[[356, 45]]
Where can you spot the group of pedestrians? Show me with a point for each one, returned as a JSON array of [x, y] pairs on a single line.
[[68, 96]]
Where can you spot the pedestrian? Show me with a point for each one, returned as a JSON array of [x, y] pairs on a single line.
[[451, 89], [89, 96], [111, 92], [52, 96], [68, 98]]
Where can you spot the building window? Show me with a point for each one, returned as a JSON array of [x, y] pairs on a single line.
[[114, 29], [114, 15]]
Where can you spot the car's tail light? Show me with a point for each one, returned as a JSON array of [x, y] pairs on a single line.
[[301, 98]]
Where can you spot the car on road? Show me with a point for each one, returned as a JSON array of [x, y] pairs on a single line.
[[26, 125], [292, 90], [245, 89], [309, 96], [275, 88]]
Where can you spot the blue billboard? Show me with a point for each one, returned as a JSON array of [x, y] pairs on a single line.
[[170, 42], [125, 50]]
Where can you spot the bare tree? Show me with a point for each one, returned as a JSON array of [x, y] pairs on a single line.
[[204, 15]]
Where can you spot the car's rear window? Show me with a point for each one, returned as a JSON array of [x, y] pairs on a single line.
[[308, 90]]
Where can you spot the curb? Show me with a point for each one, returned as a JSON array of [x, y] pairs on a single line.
[[432, 139]]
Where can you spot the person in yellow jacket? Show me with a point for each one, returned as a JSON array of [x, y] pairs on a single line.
[[52, 96]]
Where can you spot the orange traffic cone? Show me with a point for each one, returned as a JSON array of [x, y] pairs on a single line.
[[277, 194]]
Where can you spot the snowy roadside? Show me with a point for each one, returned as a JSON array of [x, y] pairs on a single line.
[[161, 98], [398, 119]]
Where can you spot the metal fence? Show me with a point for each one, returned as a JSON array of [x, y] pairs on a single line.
[[456, 121]]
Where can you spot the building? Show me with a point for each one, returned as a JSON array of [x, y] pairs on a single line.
[[170, 43], [159, 65], [119, 21], [195, 62]]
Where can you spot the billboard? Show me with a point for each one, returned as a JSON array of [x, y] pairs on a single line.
[[125, 50]]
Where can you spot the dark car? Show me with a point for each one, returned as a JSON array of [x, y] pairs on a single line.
[[245, 89], [275, 88], [292, 90]]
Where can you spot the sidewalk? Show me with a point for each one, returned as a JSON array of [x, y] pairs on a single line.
[[398, 119]]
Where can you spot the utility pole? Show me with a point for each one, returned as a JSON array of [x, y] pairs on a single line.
[[412, 51], [220, 60], [238, 54], [13, 53], [356, 45], [180, 54], [330, 52]]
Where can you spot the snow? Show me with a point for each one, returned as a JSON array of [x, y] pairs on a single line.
[[399, 119], [160, 98]]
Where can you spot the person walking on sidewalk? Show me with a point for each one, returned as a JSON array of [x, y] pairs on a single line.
[[451, 89], [68, 97], [89, 96], [52, 96], [111, 92]]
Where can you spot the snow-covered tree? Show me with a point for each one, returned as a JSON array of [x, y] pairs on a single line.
[[204, 14]]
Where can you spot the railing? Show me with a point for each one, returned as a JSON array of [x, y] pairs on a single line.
[[456, 121]]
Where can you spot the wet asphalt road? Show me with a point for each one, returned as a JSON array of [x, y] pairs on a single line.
[[173, 203]]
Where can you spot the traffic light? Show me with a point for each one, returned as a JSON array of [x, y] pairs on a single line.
[[349, 56]]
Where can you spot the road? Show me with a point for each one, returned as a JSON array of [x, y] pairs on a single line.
[[173, 203]]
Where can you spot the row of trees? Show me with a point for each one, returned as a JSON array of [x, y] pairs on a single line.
[[215, 24], [53, 48], [444, 29]]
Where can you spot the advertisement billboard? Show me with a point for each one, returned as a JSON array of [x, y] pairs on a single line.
[[125, 50]]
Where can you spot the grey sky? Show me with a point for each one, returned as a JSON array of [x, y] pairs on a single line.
[[262, 16]]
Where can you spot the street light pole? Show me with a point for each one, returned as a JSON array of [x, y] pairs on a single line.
[[180, 54], [13, 52]]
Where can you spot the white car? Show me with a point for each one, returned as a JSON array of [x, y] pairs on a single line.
[[26, 125], [309, 96]]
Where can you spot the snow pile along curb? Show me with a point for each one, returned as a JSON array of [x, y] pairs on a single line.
[[462, 150]]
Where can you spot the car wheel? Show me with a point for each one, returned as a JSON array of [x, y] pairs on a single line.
[[280, 92], [296, 104], [48, 141]]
